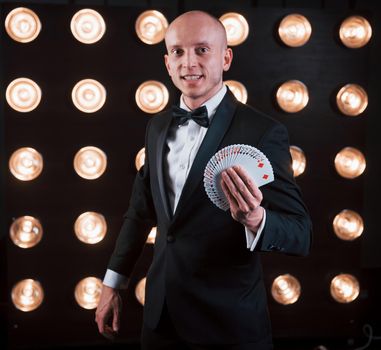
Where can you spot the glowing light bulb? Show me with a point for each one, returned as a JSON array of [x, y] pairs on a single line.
[[88, 95], [26, 232], [238, 89], [26, 164], [350, 163], [87, 26], [348, 225], [90, 227], [352, 100], [22, 25], [355, 32], [152, 96], [27, 295], [295, 30], [298, 160], [236, 26], [152, 236], [286, 289], [151, 26], [140, 291], [345, 288], [87, 292], [23, 95], [292, 96], [90, 162]]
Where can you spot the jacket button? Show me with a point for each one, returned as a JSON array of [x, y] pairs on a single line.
[[170, 239]]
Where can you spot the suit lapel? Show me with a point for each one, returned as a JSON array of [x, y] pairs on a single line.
[[160, 152], [216, 131]]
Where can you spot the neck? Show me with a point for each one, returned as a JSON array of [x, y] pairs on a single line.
[[194, 102]]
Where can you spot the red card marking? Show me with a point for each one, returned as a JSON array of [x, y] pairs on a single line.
[[260, 165], [265, 177]]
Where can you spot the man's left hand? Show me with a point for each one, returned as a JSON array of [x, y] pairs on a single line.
[[244, 197]]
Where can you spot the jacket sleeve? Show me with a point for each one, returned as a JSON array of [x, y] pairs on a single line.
[[138, 221], [288, 227]]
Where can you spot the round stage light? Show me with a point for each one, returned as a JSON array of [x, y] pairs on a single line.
[[152, 236], [298, 160], [140, 291], [26, 164], [238, 89], [151, 26], [90, 227], [236, 26], [90, 162], [22, 25], [26, 232], [355, 32], [23, 95], [88, 292], [292, 96], [152, 96], [27, 295], [294, 30], [348, 225], [87, 26], [345, 288], [286, 289], [88, 95], [140, 158], [350, 163], [352, 100]]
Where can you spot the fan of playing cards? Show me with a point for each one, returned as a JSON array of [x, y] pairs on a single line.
[[250, 158]]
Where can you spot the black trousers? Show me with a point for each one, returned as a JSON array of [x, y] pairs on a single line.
[[165, 337]]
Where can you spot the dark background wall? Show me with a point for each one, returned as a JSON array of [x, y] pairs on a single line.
[[56, 61]]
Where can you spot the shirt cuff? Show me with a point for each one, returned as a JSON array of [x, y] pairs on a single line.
[[115, 280], [252, 238]]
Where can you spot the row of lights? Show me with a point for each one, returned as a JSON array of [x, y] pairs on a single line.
[[91, 227], [90, 162], [28, 294], [88, 27], [89, 95]]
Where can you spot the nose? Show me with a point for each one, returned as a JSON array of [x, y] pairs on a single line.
[[189, 59]]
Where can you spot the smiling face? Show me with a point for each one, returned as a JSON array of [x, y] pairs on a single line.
[[197, 56]]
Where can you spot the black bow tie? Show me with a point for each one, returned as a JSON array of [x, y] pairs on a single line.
[[199, 115]]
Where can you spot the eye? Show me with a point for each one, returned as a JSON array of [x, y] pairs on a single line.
[[177, 52], [202, 50]]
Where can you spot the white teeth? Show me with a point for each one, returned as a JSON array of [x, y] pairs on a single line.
[[192, 77]]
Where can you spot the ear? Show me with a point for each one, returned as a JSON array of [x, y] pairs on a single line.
[[228, 58], [166, 61]]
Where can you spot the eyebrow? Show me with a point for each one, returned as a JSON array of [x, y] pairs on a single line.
[[203, 43]]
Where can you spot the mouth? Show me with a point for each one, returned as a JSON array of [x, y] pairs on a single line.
[[192, 77]]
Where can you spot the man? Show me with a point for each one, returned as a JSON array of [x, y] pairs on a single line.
[[204, 289]]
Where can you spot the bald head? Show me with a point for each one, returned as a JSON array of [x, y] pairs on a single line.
[[197, 55], [191, 20]]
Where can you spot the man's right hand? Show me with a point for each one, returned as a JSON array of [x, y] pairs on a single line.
[[109, 308]]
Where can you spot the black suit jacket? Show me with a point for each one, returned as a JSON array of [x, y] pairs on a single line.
[[211, 282]]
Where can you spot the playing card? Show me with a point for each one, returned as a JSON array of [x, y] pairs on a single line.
[[249, 157]]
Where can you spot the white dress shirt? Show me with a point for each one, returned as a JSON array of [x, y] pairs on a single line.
[[183, 143]]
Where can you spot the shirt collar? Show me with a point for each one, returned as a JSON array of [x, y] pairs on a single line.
[[212, 104]]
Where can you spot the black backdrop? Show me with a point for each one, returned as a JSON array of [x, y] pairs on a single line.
[[56, 61]]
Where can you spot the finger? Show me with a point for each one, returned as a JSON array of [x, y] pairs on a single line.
[[109, 333], [115, 321], [233, 189], [248, 200], [100, 322], [232, 202], [247, 179]]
